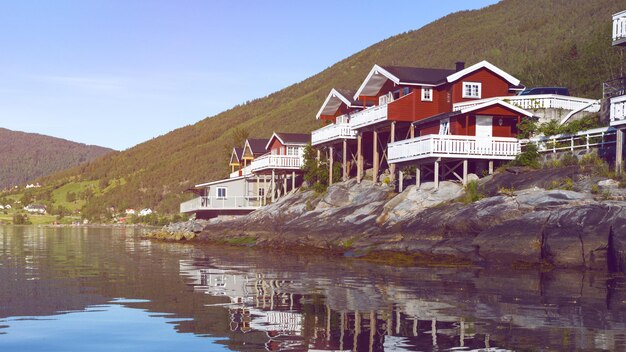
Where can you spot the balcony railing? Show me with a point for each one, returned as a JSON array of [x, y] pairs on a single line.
[[614, 88], [593, 138], [368, 116], [618, 110], [219, 203], [269, 161], [332, 132], [244, 172], [540, 101], [447, 146], [619, 28]]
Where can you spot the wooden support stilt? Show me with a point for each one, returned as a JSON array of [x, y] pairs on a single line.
[[400, 180], [619, 150], [273, 185], [264, 190], [359, 153], [392, 167], [258, 189], [418, 176], [412, 131], [465, 172], [490, 167], [293, 180], [375, 158], [330, 165], [345, 160], [285, 184], [436, 172], [319, 157]]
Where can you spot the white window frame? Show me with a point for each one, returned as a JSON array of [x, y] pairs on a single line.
[[427, 94], [292, 151], [217, 192], [478, 90]]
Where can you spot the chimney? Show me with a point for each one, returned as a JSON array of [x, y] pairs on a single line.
[[459, 65]]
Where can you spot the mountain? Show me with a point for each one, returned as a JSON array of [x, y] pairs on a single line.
[[27, 156], [542, 42]]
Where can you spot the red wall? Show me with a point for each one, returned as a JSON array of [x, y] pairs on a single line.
[[492, 85], [276, 145]]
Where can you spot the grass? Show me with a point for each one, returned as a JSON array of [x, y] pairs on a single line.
[[59, 195]]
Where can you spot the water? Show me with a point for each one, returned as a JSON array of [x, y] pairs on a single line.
[[103, 289]]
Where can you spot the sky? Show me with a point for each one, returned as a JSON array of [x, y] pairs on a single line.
[[116, 73]]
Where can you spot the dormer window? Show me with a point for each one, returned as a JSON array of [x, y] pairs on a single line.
[[471, 90], [427, 94]]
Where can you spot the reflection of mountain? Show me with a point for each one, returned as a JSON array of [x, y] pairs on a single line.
[[251, 301]]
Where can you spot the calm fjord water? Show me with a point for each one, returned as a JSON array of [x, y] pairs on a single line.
[[105, 289]]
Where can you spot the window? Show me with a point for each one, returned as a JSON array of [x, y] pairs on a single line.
[[292, 150], [396, 94], [471, 90], [261, 192], [406, 91], [221, 192], [427, 94]]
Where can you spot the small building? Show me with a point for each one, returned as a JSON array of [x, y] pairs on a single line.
[[35, 209], [615, 91], [130, 211], [145, 212]]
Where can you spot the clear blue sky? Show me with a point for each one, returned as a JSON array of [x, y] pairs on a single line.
[[117, 73]]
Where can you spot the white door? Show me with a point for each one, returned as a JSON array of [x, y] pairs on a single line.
[[484, 126], [484, 130]]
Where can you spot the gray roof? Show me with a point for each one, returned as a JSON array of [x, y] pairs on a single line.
[[419, 75], [294, 138], [257, 145]]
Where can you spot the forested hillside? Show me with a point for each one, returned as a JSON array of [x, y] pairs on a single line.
[[542, 42], [27, 156]]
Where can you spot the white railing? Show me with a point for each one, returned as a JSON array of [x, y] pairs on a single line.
[[244, 172], [618, 110], [597, 137], [218, 203], [619, 27], [540, 101], [332, 132], [368, 116], [471, 147], [270, 161]]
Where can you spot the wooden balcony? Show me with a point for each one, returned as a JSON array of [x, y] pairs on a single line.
[[217, 203], [281, 162], [619, 28], [368, 117], [618, 110], [452, 146], [334, 132]]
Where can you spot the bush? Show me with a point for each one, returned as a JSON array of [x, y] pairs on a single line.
[[316, 172], [473, 193], [21, 219], [529, 157]]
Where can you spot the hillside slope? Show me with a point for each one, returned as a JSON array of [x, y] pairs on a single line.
[[542, 42], [27, 156]]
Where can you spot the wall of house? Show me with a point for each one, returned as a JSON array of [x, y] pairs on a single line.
[[492, 85], [276, 147], [429, 128], [508, 127]]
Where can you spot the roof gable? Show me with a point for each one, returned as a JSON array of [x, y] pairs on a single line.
[[333, 101], [236, 155], [405, 75], [255, 147], [483, 64], [502, 103]]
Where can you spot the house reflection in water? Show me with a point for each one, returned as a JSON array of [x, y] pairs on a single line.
[[331, 318]]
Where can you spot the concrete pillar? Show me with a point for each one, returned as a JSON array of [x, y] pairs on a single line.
[[465, 172], [400, 180], [436, 172], [392, 167], [330, 165], [359, 157], [490, 167], [293, 180], [273, 185], [619, 150], [345, 160], [375, 158]]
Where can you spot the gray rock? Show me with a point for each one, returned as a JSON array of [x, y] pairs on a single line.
[[608, 183], [537, 197]]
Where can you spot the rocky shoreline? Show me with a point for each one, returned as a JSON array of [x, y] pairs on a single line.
[[529, 227]]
